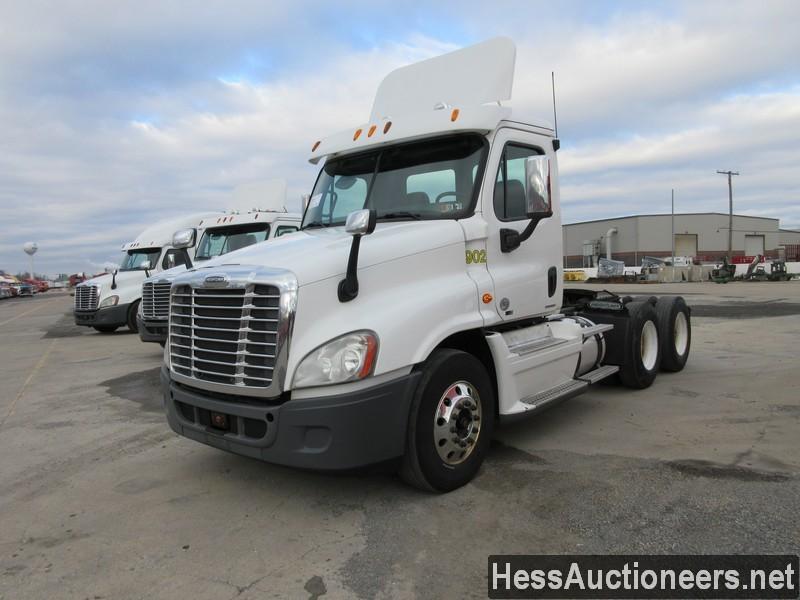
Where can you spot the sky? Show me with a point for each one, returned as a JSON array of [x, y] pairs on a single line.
[[115, 115]]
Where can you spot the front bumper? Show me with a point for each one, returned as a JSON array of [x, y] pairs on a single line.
[[152, 330], [339, 432], [113, 315]]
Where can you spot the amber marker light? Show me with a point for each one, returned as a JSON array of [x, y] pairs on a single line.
[[487, 298], [454, 114], [387, 127], [316, 145], [357, 134], [371, 130]]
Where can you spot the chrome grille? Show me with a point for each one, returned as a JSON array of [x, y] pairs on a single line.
[[155, 299], [225, 336], [86, 297]]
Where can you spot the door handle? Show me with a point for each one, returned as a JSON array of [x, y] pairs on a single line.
[[552, 281]]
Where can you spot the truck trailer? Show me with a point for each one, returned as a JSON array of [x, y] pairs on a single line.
[[421, 303]]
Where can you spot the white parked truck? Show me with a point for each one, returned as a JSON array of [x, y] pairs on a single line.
[[111, 301], [420, 304], [224, 234]]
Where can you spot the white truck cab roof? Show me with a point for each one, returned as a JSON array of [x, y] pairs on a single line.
[[160, 234], [457, 92]]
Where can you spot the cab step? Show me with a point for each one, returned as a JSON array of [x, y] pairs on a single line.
[[599, 374], [560, 392]]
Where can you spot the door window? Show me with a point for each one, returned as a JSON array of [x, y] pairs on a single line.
[[173, 258]]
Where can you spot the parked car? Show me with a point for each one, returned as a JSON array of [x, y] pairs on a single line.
[[39, 285]]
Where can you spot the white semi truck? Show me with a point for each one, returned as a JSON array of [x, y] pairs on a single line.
[[420, 304], [109, 302], [224, 234]]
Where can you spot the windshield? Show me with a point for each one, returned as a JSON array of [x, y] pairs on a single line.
[[135, 259], [431, 179], [216, 242]]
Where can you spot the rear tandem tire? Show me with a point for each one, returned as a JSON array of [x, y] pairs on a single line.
[[453, 404], [675, 331], [642, 347]]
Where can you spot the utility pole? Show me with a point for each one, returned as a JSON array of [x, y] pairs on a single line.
[[730, 174], [673, 235]]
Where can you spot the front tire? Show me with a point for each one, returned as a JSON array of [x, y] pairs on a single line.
[[106, 328], [642, 347], [675, 329], [450, 423], [132, 324]]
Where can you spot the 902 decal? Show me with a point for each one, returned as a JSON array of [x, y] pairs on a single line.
[[476, 256]]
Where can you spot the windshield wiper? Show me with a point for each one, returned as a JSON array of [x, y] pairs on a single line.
[[401, 215]]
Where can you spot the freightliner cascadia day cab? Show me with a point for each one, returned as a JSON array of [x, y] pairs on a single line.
[[221, 235], [420, 304], [111, 301]]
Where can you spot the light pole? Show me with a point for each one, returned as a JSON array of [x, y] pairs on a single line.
[[673, 235], [730, 174]]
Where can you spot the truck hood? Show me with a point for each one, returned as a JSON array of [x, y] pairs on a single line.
[[123, 277], [317, 254], [167, 275]]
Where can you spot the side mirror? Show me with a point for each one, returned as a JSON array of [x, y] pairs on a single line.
[[538, 202], [537, 187], [183, 238], [361, 222]]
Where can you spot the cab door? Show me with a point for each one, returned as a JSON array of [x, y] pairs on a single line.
[[527, 279]]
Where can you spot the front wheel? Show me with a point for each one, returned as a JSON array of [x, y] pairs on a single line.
[[132, 325], [450, 422], [106, 328]]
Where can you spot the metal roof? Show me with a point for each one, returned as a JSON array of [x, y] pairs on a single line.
[[702, 214]]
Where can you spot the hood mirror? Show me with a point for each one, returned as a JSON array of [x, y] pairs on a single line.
[[183, 238], [359, 223]]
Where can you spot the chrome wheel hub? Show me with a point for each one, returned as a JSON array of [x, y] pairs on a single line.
[[457, 422]]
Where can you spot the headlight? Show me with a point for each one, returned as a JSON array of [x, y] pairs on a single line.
[[110, 301], [347, 358]]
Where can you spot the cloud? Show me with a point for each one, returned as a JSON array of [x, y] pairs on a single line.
[[113, 119]]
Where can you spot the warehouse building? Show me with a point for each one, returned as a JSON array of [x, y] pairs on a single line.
[[703, 236], [789, 244]]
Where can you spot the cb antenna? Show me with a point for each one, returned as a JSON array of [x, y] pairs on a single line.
[[555, 116]]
